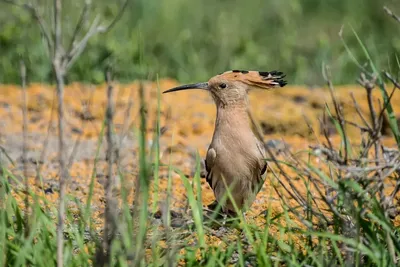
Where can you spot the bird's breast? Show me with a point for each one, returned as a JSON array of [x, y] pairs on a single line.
[[237, 154]]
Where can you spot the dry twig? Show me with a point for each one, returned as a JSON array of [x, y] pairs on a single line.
[[390, 13], [24, 143], [111, 205], [338, 110]]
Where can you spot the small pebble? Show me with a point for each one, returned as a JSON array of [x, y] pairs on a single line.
[[49, 191]]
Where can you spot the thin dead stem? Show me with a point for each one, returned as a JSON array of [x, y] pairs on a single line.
[[39, 164], [393, 80], [24, 143], [390, 13], [111, 205], [338, 110], [60, 75]]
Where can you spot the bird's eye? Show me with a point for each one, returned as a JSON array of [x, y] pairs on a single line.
[[222, 85]]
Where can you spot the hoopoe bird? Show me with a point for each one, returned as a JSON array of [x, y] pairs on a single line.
[[235, 159]]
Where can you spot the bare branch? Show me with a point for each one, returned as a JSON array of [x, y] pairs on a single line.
[[294, 193], [4, 151], [94, 29], [369, 86], [83, 18], [24, 116], [125, 128], [382, 112], [73, 54], [111, 205], [59, 72], [24, 143], [393, 164], [39, 164], [359, 112], [390, 13], [327, 77], [332, 155], [42, 24], [364, 129], [57, 27], [116, 18], [392, 80], [325, 130]]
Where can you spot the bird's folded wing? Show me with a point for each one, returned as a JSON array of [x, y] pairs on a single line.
[[209, 162]]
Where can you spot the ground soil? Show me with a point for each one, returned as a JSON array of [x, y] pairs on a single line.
[[289, 117]]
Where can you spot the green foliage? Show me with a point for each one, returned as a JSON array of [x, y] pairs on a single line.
[[193, 40]]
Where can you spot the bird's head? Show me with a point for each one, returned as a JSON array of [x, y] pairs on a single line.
[[231, 87]]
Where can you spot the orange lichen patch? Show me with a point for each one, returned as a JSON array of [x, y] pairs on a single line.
[[187, 122], [284, 109]]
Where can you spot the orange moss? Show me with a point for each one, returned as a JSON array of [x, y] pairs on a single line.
[[187, 121]]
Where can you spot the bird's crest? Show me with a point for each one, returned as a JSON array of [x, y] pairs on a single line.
[[262, 79]]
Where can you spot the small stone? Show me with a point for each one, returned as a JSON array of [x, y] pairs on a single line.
[[175, 214], [277, 145], [76, 130], [35, 119], [4, 104], [163, 130], [157, 214], [86, 116], [267, 128], [316, 105], [221, 232], [177, 222], [197, 128], [299, 99], [49, 191]]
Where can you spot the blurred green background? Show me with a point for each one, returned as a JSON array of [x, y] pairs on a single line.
[[194, 40]]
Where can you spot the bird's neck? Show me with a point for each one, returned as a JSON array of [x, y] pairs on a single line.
[[232, 116]]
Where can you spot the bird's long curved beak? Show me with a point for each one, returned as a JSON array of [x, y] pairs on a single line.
[[203, 86]]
